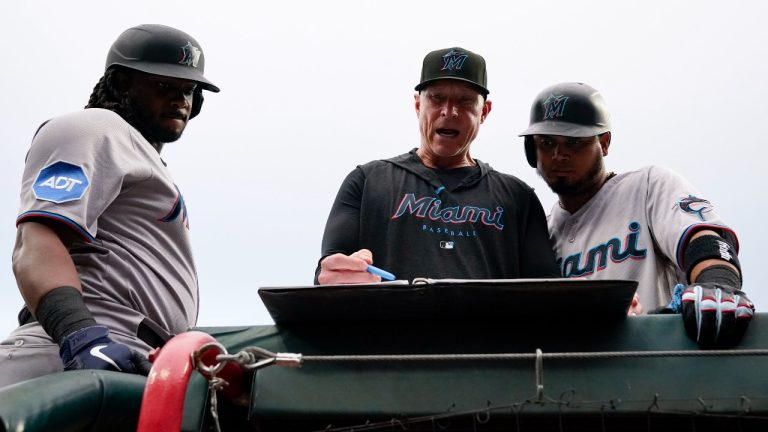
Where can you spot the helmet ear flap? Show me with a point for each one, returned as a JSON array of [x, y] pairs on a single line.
[[530, 151], [197, 102]]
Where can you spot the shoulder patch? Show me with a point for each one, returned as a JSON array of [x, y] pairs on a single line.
[[60, 182], [694, 205]]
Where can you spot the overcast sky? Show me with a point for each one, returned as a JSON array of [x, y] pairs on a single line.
[[310, 89]]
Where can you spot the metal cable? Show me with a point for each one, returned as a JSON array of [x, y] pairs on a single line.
[[530, 356]]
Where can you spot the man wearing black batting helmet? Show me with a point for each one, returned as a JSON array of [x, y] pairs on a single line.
[[436, 211], [648, 225], [102, 255]]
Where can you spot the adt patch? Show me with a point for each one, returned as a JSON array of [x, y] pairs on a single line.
[[60, 182]]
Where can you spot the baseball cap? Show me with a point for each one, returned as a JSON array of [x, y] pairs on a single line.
[[454, 63]]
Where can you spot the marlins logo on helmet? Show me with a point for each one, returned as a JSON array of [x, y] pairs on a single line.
[[190, 55], [554, 106]]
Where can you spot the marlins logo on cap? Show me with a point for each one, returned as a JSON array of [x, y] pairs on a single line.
[[454, 63]]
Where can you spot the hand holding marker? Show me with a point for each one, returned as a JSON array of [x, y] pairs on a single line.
[[379, 272]]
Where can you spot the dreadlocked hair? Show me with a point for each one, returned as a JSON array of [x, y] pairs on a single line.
[[107, 95]]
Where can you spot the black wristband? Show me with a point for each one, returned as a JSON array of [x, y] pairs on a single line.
[[708, 247], [62, 311], [720, 274]]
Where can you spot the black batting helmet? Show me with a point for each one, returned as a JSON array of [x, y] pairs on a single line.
[[162, 50], [567, 109]]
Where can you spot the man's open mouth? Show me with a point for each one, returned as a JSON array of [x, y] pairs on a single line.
[[450, 133]]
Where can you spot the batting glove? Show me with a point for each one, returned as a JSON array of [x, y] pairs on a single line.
[[91, 348], [716, 315], [675, 305]]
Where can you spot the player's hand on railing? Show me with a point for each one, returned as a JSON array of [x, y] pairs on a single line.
[[91, 348], [715, 315], [345, 269], [635, 308]]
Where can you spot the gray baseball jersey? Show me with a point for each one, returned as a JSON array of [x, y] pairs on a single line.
[[633, 228], [93, 172]]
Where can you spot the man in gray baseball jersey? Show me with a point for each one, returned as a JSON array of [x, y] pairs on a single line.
[[102, 255], [648, 225]]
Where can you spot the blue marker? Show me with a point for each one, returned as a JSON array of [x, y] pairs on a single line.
[[379, 272]]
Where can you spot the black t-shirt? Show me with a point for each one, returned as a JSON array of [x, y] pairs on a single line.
[[466, 223], [450, 178]]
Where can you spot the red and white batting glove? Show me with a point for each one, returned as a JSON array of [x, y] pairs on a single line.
[[716, 315]]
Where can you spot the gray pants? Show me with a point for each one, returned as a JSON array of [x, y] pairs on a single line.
[[28, 353]]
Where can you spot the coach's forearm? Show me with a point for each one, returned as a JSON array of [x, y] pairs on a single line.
[[41, 262]]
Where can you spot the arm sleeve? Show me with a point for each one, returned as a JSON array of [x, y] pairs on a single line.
[[342, 230], [676, 210], [92, 144], [538, 257]]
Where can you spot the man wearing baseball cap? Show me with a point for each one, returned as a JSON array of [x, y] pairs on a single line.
[[435, 211]]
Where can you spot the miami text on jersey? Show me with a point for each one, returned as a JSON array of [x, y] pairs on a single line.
[[429, 207], [569, 267]]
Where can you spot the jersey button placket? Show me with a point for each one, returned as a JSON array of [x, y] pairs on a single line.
[[572, 231]]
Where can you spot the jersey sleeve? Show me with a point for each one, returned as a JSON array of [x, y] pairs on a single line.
[[75, 168], [676, 210], [342, 230]]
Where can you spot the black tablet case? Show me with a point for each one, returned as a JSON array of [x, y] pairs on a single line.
[[450, 300]]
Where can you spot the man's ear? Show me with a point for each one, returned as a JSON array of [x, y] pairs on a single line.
[[605, 142], [416, 103], [487, 105], [121, 80]]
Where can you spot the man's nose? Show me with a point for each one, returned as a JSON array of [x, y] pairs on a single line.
[[451, 110], [181, 99], [560, 152]]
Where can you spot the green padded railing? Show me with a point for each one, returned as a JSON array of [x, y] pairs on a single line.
[[73, 401]]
